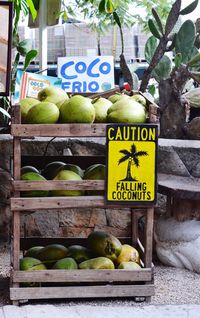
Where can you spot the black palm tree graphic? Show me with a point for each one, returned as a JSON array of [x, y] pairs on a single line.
[[132, 157]]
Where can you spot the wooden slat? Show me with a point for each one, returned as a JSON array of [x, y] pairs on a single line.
[[16, 214], [59, 130], [42, 203], [26, 204], [81, 292], [180, 187], [58, 185], [149, 218], [80, 276]]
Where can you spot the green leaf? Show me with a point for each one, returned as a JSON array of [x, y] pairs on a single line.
[[191, 7], [24, 7], [65, 16], [152, 89], [109, 7], [158, 21], [150, 48], [32, 9], [185, 40], [15, 64], [153, 29], [117, 19], [24, 46], [163, 69], [29, 57], [178, 60], [102, 5], [4, 112], [194, 61], [15, 40], [36, 4]]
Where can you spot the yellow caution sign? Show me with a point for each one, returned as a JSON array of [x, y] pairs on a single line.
[[131, 164]]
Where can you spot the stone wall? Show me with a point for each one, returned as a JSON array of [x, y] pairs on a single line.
[[174, 156]]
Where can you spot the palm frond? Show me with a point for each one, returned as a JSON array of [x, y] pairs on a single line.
[[141, 153], [125, 152], [133, 149], [136, 161], [123, 159]]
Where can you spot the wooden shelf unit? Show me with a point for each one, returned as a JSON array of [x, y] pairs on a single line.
[[82, 283]]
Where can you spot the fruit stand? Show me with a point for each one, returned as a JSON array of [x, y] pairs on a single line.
[[76, 283]]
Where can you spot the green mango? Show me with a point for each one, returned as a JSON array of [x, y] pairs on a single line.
[[30, 264], [67, 175], [104, 244], [97, 263], [95, 172], [51, 169], [43, 113], [34, 176], [52, 253], [129, 266], [72, 167], [33, 251], [129, 115], [26, 169], [65, 263], [79, 253]]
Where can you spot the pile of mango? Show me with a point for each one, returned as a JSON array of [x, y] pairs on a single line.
[[54, 105], [103, 251], [59, 170]]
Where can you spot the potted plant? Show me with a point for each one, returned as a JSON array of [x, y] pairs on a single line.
[[172, 73], [23, 49]]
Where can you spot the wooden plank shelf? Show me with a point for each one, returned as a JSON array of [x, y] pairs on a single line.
[[58, 185], [58, 130], [43, 203], [78, 275], [72, 292], [82, 283]]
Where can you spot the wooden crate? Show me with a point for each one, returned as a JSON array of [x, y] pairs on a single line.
[[73, 283], [85, 283]]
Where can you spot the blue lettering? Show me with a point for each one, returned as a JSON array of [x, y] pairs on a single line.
[[76, 87], [90, 67], [66, 85], [80, 67], [63, 71], [84, 87], [93, 86], [105, 68]]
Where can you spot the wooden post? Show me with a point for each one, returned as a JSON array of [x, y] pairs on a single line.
[[148, 237], [15, 243]]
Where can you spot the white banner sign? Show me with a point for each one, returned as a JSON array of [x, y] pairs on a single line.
[[86, 74]]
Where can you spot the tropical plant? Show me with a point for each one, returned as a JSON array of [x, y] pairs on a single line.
[[103, 14], [162, 7], [23, 48], [132, 157], [172, 75]]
